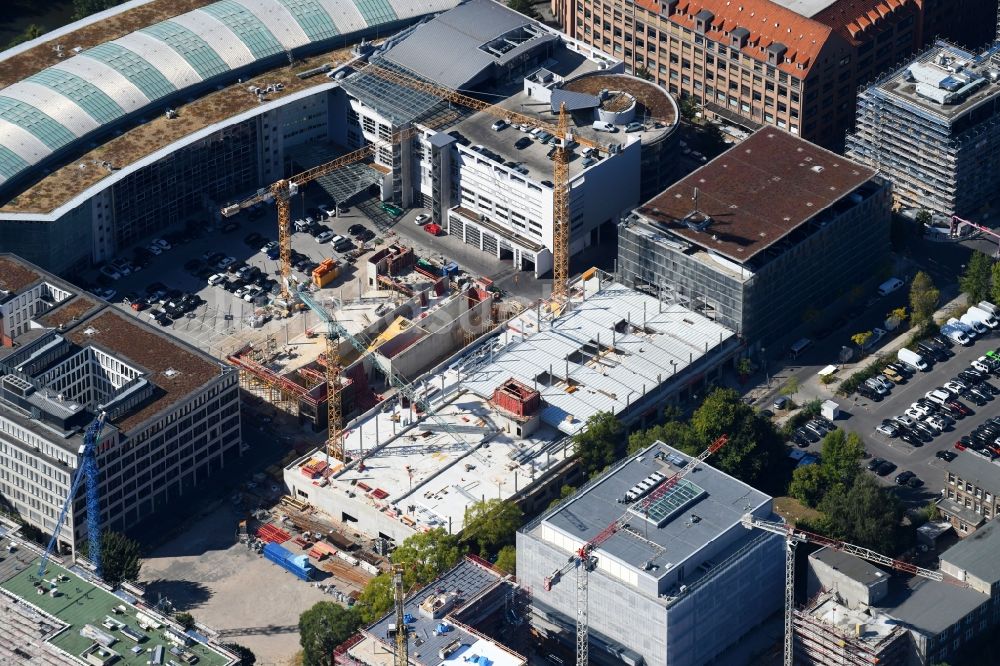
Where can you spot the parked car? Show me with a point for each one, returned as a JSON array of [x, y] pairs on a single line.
[[903, 477], [808, 434], [946, 456], [162, 243], [888, 428], [422, 219], [911, 437], [781, 402], [885, 469], [225, 262], [874, 463], [522, 143], [325, 236]]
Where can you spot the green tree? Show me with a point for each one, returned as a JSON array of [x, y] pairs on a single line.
[[427, 555], [246, 655], [861, 339], [31, 32], [376, 598], [186, 620], [564, 492], [841, 454], [492, 523], [688, 107], [643, 73], [322, 628], [677, 434], [119, 558], [84, 8], [599, 441], [995, 290], [808, 485], [790, 387], [924, 216], [744, 366], [754, 448], [864, 514], [524, 7], [976, 281], [923, 298], [507, 560]]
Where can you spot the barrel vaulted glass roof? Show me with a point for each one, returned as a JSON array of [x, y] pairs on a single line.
[[59, 105]]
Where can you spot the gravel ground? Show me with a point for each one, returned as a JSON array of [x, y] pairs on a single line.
[[231, 589]]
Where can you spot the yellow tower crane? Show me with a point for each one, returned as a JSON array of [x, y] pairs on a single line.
[[402, 656]]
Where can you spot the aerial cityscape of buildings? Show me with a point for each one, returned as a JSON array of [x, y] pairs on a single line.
[[528, 333]]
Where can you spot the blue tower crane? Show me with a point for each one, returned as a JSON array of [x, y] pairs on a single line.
[[88, 469]]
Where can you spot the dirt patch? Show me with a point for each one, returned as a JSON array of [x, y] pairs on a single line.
[[793, 510], [655, 99]]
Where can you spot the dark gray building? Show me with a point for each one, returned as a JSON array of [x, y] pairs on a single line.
[[761, 237]]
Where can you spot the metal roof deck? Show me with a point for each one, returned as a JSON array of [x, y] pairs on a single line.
[[610, 349]]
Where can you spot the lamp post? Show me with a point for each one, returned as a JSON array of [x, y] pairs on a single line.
[[763, 358]]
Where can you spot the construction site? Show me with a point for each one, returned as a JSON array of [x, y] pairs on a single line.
[[496, 418]]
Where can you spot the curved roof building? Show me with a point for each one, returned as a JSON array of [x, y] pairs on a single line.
[[52, 112]]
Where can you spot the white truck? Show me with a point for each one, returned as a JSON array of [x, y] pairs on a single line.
[[911, 357], [979, 327], [983, 316], [989, 307], [966, 328], [955, 334]]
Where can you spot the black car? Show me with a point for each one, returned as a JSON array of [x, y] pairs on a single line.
[[946, 456], [365, 235], [162, 319], [903, 477], [885, 469], [911, 438], [874, 463], [355, 228], [914, 482], [923, 431], [972, 375], [800, 440], [973, 398], [943, 341], [869, 393], [808, 434], [987, 387], [522, 143]]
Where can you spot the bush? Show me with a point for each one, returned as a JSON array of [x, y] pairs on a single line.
[[809, 411], [849, 385]]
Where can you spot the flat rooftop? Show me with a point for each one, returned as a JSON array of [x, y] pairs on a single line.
[[977, 471], [806, 8], [944, 81], [704, 505], [611, 348], [57, 621], [15, 275], [855, 568], [754, 194], [977, 553], [466, 581], [929, 606]]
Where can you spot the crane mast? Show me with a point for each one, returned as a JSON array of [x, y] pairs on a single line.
[[401, 655]]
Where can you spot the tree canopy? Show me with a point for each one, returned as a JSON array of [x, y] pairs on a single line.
[[863, 513], [246, 655], [427, 555], [599, 442], [978, 276], [754, 447], [322, 628], [375, 599], [677, 434], [840, 460], [120, 558], [995, 288], [507, 560], [923, 298], [84, 8], [492, 523]]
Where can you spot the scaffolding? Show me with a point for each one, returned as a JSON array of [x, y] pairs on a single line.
[[823, 644]]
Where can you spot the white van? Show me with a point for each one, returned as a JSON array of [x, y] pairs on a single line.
[[978, 326], [912, 358], [984, 316], [989, 307], [955, 333], [601, 126], [939, 396], [889, 286]]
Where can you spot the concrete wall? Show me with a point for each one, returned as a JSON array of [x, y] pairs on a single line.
[[852, 593]]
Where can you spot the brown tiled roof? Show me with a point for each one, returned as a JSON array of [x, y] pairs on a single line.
[[757, 193], [156, 353], [850, 18], [15, 276], [768, 23]]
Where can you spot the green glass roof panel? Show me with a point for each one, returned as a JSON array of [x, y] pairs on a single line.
[[11, 163], [191, 47], [27, 117], [376, 12], [139, 71], [662, 509], [313, 19], [89, 97], [261, 41]]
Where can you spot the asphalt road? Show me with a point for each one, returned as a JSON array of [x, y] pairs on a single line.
[[866, 415]]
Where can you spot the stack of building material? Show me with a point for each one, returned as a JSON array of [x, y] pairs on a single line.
[[272, 534]]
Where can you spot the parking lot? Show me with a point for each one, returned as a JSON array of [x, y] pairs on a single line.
[[864, 416]]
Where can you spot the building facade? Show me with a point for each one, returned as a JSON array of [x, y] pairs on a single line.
[[679, 585], [760, 252], [971, 493], [173, 415], [794, 65], [931, 127]]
